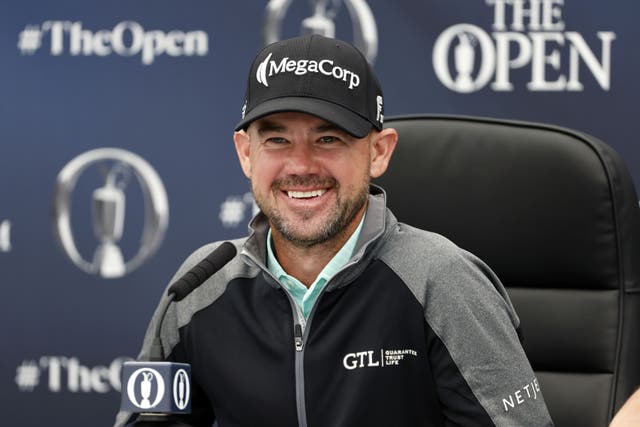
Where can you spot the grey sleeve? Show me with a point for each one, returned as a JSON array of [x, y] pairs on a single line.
[[470, 313]]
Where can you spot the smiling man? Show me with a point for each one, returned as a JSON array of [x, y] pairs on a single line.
[[311, 179], [334, 313]]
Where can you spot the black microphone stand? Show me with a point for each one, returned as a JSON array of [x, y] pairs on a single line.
[[156, 354], [177, 291]]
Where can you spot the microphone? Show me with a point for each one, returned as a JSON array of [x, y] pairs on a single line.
[[156, 388], [202, 271]]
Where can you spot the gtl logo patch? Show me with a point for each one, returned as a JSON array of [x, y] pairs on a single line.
[[376, 358]]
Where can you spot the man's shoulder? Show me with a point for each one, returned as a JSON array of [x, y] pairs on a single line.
[[429, 262], [408, 242]]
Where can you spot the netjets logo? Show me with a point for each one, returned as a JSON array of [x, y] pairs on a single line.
[[526, 34], [269, 68]]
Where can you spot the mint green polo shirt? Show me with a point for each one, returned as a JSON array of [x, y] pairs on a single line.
[[305, 298]]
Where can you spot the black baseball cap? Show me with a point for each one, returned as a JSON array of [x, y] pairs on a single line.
[[325, 77]]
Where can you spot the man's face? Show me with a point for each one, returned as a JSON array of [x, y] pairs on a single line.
[[310, 178]]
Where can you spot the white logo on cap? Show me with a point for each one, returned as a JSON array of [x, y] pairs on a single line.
[[300, 67], [244, 109], [261, 74]]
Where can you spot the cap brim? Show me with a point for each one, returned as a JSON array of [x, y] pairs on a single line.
[[345, 119]]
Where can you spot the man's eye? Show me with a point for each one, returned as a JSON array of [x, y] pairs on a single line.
[[276, 140], [328, 139]]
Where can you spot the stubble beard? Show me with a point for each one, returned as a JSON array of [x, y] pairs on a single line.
[[339, 218]]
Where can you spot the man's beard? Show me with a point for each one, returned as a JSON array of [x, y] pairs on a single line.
[[339, 218]]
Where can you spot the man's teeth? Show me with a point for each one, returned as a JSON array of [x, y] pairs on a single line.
[[305, 194]]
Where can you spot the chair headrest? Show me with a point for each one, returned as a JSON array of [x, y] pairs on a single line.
[[542, 205]]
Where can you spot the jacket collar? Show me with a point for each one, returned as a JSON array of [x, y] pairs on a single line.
[[378, 222]]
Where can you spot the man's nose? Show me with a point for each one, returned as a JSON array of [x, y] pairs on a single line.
[[302, 160]]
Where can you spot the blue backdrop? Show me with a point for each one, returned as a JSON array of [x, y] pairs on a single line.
[[89, 239]]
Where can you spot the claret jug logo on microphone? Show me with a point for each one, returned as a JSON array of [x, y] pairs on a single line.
[[140, 386], [119, 169], [156, 387], [530, 37]]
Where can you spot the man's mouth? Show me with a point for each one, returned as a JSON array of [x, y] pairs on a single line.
[[306, 194]]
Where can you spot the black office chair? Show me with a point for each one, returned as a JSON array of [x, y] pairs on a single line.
[[554, 212]]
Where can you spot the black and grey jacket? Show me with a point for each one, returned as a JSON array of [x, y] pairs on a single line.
[[413, 331]]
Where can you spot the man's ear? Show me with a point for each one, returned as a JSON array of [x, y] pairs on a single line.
[[243, 148], [382, 145]]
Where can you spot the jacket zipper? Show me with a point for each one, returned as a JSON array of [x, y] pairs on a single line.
[[299, 370], [298, 344], [297, 333], [300, 332]]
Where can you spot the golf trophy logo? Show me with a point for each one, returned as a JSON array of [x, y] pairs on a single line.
[[147, 391], [181, 389], [139, 391], [108, 204], [365, 32], [108, 220], [464, 59]]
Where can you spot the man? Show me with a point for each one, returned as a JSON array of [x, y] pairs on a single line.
[[335, 314]]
